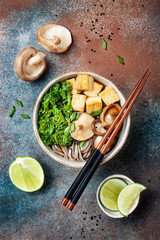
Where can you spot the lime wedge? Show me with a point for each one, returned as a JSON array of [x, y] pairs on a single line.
[[128, 197], [109, 193], [26, 174]]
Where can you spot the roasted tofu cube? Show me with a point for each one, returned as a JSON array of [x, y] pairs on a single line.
[[93, 104], [90, 93], [73, 86], [109, 96], [84, 82], [97, 87], [78, 102]]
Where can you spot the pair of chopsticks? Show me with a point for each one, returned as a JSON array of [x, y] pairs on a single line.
[[83, 178]]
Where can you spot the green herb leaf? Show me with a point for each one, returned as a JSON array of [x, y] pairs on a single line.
[[104, 44], [25, 116], [77, 116], [19, 103], [96, 113], [66, 132], [11, 111], [81, 144], [121, 60], [68, 119], [51, 128], [72, 127], [73, 116]]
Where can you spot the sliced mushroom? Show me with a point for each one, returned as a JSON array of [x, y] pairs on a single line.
[[83, 127], [29, 64], [97, 128], [54, 38], [109, 113]]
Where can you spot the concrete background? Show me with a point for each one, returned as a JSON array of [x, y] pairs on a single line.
[[135, 28]]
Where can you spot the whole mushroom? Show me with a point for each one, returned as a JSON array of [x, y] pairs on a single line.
[[97, 128], [29, 64], [108, 114], [54, 38], [83, 127]]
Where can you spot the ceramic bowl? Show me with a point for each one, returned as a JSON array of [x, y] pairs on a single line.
[[49, 151], [105, 210]]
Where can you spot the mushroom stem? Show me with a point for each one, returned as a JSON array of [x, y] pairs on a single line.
[[56, 40], [80, 127], [36, 59]]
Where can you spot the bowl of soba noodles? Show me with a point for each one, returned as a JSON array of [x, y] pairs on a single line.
[[72, 114]]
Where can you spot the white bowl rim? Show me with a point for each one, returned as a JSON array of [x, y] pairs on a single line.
[[108, 212], [56, 157]]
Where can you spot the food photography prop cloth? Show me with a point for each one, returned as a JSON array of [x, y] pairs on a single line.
[[131, 31]]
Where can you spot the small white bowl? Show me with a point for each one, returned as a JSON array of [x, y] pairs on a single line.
[[105, 210], [77, 164]]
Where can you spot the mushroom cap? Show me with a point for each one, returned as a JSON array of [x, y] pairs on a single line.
[[29, 64], [54, 38], [83, 127], [109, 113]]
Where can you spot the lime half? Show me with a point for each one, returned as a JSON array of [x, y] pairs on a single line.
[[109, 193], [128, 197], [26, 174]]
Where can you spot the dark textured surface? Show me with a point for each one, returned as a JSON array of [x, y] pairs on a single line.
[[135, 28]]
